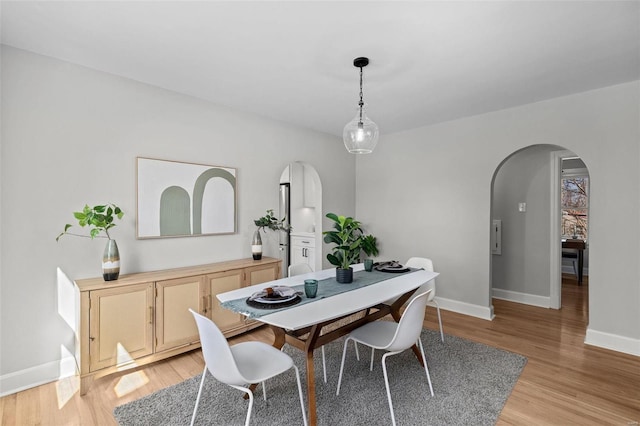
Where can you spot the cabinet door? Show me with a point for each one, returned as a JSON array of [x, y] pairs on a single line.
[[262, 273], [297, 255], [221, 282], [311, 257], [120, 325], [175, 325], [303, 251]]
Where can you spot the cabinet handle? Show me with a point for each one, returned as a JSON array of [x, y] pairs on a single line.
[[150, 314], [204, 304], [209, 304]]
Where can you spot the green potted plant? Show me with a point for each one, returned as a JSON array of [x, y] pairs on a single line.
[[370, 248], [369, 245], [100, 219], [267, 221], [349, 240]]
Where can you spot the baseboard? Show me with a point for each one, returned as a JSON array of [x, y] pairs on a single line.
[[614, 342], [527, 299], [36, 376], [477, 311]]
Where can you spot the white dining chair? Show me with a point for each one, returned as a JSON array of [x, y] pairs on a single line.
[[394, 338], [240, 365], [299, 269], [427, 265]]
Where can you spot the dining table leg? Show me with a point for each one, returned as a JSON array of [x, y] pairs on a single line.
[[278, 337], [310, 345], [279, 341]]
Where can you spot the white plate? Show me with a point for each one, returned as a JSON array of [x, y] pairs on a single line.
[[271, 300]]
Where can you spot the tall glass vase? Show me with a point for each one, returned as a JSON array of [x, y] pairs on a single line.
[[111, 261], [256, 245]]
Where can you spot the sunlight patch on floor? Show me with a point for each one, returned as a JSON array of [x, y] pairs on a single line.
[[66, 388], [130, 383]]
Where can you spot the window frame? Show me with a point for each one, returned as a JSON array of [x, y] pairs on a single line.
[[569, 174]]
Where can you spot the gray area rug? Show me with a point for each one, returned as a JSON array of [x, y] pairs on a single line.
[[471, 382]]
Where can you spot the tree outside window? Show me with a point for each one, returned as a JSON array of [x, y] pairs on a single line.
[[575, 204]]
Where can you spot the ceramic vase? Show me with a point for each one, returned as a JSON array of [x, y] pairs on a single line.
[[111, 261], [256, 245]]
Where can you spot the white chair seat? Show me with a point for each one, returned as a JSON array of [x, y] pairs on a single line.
[[377, 334], [258, 362]]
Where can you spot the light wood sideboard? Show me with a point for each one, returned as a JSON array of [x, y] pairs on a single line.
[[142, 318]]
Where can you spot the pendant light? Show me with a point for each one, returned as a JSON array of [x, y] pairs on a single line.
[[360, 135]]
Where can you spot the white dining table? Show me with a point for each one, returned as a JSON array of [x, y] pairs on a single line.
[[301, 325]]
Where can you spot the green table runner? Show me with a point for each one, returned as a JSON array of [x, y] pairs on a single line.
[[326, 288]]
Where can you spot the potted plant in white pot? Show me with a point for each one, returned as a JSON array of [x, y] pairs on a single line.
[[349, 240], [100, 219]]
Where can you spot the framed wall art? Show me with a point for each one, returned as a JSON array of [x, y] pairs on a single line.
[[177, 199]]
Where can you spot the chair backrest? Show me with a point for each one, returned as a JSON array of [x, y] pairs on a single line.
[[299, 269], [427, 265], [216, 352], [410, 324]]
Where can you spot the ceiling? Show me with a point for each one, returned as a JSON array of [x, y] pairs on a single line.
[[430, 61]]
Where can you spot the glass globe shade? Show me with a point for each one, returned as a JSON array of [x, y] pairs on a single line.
[[360, 136]]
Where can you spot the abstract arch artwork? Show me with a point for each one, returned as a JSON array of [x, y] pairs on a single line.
[[175, 214], [177, 199]]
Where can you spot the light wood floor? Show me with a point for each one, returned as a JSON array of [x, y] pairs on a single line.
[[565, 382]]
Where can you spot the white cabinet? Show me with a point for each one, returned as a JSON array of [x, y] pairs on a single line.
[[303, 251]]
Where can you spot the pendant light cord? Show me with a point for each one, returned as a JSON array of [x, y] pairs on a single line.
[[361, 103]]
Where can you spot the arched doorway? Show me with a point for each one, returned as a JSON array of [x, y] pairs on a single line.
[[526, 267]]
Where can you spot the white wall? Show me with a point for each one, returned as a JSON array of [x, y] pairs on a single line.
[[70, 136], [426, 192], [523, 266]]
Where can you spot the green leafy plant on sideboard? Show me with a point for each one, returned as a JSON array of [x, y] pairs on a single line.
[[100, 219]]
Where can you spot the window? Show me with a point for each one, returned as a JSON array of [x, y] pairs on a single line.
[[575, 207]]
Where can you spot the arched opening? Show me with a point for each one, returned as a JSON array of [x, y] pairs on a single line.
[[526, 215], [301, 202]]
